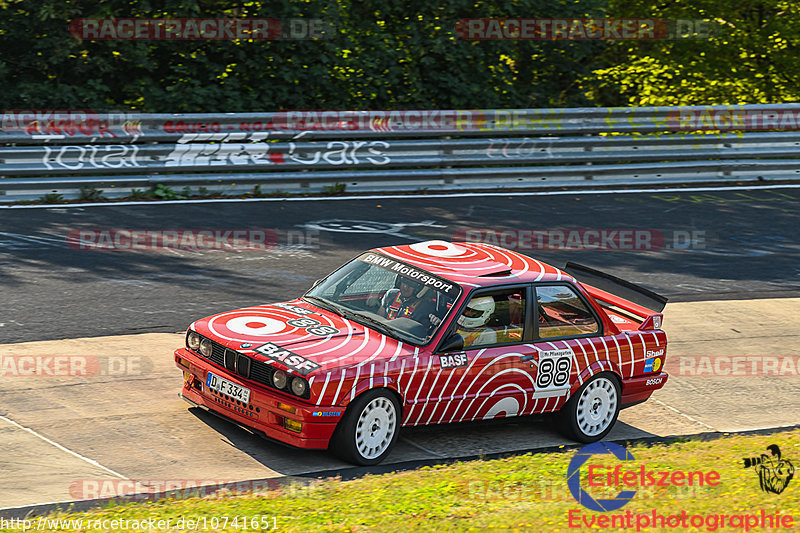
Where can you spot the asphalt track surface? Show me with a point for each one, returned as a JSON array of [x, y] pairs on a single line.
[[130, 425], [703, 246]]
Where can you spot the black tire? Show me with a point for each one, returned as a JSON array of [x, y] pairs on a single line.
[[592, 411], [369, 429]]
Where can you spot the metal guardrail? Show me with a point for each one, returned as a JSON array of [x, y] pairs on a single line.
[[42, 152]]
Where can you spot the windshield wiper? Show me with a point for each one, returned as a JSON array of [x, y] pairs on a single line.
[[374, 322], [324, 304]]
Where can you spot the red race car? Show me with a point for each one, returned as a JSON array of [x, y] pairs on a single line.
[[429, 333]]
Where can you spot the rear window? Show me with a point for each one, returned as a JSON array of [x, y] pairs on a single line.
[[562, 313]]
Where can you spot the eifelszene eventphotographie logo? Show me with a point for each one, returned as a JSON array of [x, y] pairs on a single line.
[[774, 472], [604, 469]]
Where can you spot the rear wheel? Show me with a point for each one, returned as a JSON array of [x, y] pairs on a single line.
[[369, 429], [591, 412]]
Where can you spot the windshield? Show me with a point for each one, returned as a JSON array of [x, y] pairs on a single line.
[[390, 296]]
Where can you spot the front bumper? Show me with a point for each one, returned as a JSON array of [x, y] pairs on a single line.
[[261, 413]]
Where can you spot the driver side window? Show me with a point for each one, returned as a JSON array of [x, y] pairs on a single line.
[[493, 318]]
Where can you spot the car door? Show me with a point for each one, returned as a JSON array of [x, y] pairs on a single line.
[[567, 334], [484, 379]]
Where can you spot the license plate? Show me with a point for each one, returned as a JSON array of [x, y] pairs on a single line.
[[230, 388]]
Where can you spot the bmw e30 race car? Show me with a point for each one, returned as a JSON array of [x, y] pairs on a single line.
[[429, 333]]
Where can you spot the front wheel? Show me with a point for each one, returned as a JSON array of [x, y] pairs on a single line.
[[368, 431], [590, 413]]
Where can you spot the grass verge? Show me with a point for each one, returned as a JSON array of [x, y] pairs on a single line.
[[520, 493]]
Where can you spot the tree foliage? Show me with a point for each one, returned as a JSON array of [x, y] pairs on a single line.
[[394, 55], [750, 57], [380, 55]]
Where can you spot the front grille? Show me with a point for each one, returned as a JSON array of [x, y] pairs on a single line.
[[217, 354], [244, 366], [234, 362], [261, 372], [230, 358]]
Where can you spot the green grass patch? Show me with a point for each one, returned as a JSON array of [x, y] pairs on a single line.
[[520, 493]]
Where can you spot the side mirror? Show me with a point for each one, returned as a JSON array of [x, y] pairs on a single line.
[[453, 343]]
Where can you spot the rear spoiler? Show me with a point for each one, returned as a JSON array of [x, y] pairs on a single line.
[[617, 292]]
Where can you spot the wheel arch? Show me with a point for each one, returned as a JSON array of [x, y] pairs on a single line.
[[369, 384], [597, 367]]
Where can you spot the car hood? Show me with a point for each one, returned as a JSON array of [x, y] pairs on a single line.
[[299, 337]]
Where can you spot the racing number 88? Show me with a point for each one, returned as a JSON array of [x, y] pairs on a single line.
[[553, 373]]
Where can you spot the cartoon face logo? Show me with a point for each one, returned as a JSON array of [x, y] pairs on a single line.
[[774, 473]]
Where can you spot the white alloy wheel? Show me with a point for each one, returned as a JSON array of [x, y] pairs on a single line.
[[597, 406], [375, 428], [369, 428]]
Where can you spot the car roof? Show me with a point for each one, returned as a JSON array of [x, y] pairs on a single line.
[[473, 264]]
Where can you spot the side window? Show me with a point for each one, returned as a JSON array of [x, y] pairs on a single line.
[[493, 318], [562, 313]]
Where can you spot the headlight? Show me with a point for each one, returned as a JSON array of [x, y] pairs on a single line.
[[299, 386], [193, 341], [205, 347], [279, 379]]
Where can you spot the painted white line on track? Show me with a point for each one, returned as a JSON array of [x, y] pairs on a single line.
[[423, 448], [62, 448], [410, 196], [659, 402]]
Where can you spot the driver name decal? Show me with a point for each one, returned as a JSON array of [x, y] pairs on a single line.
[[298, 363], [553, 372]]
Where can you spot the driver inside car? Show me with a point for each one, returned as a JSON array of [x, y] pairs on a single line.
[[472, 322], [410, 299]]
